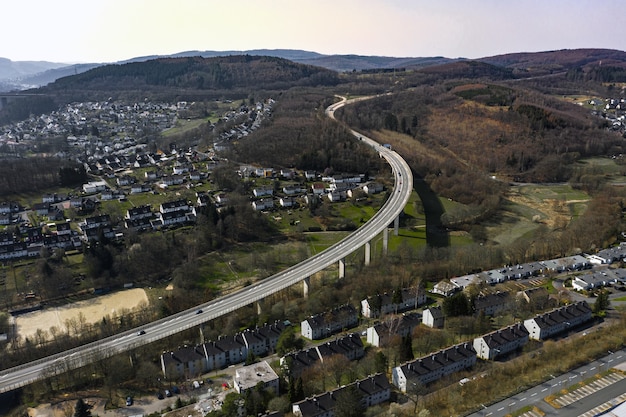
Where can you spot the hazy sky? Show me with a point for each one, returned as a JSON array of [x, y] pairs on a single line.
[[112, 30]]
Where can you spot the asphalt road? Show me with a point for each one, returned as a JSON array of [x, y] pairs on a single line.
[[19, 376], [536, 395]]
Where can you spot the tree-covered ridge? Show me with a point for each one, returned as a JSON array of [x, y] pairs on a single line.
[[299, 135], [505, 130], [242, 71]]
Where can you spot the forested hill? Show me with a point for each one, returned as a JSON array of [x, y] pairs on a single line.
[[231, 72], [549, 62]]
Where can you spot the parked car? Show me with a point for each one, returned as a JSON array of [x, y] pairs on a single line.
[[168, 393], [175, 390], [159, 395], [129, 400]]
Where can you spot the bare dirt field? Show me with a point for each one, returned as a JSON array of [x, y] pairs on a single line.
[[93, 310]]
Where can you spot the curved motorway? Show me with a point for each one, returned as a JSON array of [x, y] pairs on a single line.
[[22, 375]]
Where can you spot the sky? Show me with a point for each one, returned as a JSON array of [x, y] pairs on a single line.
[[72, 31]]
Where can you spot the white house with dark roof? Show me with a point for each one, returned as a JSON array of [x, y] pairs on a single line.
[[500, 342], [381, 304], [433, 317], [175, 205], [435, 366], [374, 390], [297, 362], [234, 347], [609, 255], [189, 362], [263, 204], [263, 191], [395, 326], [592, 280], [492, 304], [139, 212], [373, 188], [543, 326], [350, 346], [323, 325]]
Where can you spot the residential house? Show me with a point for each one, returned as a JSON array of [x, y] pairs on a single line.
[[500, 342], [373, 390], [609, 255], [592, 280], [234, 347], [140, 188], [42, 209], [187, 362], [445, 287], [492, 304], [7, 238], [173, 206], [6, 219], [337, 196], [221, 198], [264, 172], [287, 174], [558, 320], [381, 304], [170, 218], [296, 362], [139, 212], [350, 346], [433, 317], [14, 251], [287, 202], [293, 189], [263, 191], [435, 366], [93, 187], [325, 324], [318, 188], [95, 222], [263, 204], [125, 180], [373, 188], [216, 357], [537, 297], [399, 326], [310, 175], [64, 229]]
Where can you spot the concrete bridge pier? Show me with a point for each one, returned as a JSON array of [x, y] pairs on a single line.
[[342, 268], [385, 240], [396, 225], [259, 306], [368, 252], [306, 283]]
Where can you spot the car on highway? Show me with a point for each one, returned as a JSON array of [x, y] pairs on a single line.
[[199, 311], [141, 332]]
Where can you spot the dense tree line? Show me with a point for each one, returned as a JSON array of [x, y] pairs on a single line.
[[18, 175]]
